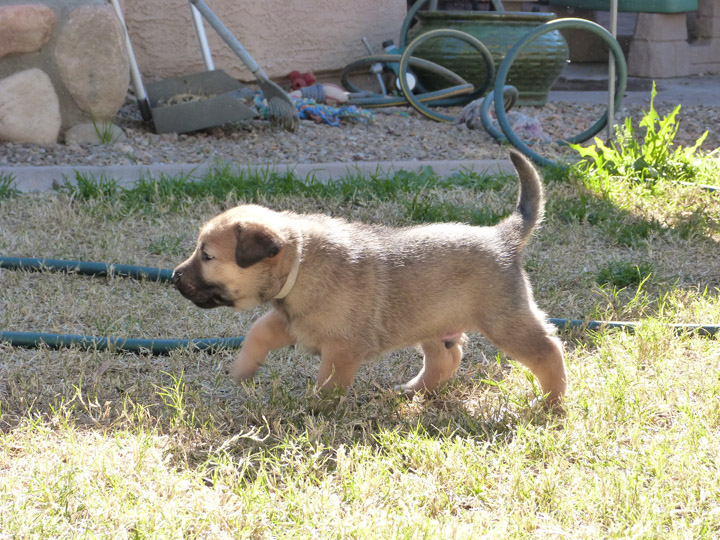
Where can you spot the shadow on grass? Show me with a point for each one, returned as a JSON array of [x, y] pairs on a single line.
[[188, 398]]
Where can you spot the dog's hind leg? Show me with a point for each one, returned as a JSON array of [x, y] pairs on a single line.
[[441, 361], [527, 338], [268, 333]]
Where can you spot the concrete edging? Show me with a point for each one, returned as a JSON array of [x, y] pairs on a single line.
[[34, 179]]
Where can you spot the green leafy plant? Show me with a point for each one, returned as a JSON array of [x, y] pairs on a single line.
[[7, 187], [647, 160]]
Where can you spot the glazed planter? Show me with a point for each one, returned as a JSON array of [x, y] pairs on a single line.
[[534, 70]]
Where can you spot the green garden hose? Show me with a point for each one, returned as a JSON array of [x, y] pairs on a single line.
[[457, 95], [86, 268], [57, 341], [707, 330], [510, 96], [164, 346], [438, 97], [376, 100], [499, 94], [579, 24], [484, 52], [152, 346], [452, 34], [408, 19]]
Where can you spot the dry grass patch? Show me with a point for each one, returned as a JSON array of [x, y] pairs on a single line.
[[96, 444]]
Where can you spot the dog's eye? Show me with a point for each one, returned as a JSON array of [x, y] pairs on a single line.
[[205, 257]]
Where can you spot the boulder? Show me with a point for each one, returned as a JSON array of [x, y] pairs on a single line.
[[25, 28], [29, 108], [92, 60]]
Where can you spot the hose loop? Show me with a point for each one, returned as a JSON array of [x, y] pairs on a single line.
[[452, 34], [558, 24], [510, 97]]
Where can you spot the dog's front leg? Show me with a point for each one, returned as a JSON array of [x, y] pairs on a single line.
[[268, 333], [339, 361]]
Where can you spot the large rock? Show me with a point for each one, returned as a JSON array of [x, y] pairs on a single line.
[[25, 28], [92, 60], [29, 108]]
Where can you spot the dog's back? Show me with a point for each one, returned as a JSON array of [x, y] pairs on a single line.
[[376, 289], [406, 282]]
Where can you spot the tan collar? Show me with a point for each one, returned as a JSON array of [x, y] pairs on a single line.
[[290, 281]]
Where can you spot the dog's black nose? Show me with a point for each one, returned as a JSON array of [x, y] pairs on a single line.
[[175, 279]]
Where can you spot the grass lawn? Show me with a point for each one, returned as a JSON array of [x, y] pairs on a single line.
[[95, 444]]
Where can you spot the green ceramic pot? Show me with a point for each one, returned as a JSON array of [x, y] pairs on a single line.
[[533, 71]]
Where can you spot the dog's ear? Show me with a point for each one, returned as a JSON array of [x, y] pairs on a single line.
[[253, 245]]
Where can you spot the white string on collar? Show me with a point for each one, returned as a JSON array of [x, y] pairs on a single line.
[[290, 281]]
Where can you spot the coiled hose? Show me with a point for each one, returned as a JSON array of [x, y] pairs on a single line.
[[463, 92], [164, 346], [499, 96], [503, 70]]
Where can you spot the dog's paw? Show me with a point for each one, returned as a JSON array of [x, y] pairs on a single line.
[[547, 406], [242, 370], [326, 400], [405, 390]]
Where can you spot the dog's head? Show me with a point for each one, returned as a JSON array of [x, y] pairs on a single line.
[[242, 259]]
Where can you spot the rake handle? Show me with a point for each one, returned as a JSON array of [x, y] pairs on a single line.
[[229, 38]]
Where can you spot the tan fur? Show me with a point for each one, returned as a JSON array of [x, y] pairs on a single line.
[[363, 290]]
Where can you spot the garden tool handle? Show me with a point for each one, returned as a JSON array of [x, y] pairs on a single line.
[[229, 38], [202, 38], [140, 94]]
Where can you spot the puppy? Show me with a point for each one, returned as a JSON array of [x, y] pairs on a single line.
[[350, 292]]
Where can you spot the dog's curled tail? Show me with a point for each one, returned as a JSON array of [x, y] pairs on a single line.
[[530, 208]]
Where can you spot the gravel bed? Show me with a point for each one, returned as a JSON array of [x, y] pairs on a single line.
[[395, 134]]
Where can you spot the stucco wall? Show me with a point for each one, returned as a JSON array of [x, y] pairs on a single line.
[[282, 35]]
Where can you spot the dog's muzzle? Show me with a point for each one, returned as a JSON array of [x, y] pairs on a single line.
[[202, 295]]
